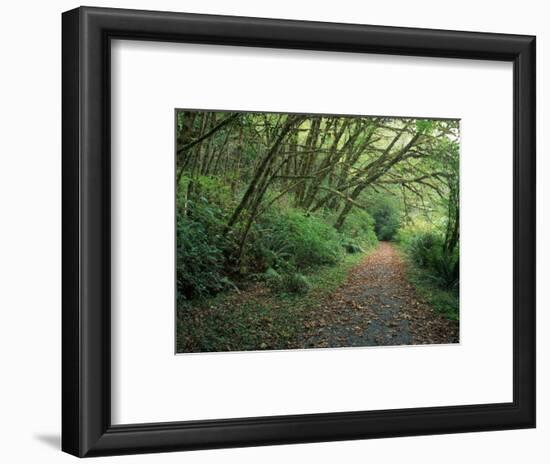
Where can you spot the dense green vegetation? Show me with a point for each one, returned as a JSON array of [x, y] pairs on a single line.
[[433, 269], [270, 203]]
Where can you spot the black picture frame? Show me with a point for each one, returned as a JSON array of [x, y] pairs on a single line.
[[86, 291]]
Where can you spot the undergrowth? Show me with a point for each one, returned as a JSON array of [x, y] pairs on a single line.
[[432, 269], [257, 318]]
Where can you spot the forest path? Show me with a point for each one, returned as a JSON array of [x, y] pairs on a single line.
[[377, 305]]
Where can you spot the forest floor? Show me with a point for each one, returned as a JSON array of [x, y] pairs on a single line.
[[367, 300], [377, 306]]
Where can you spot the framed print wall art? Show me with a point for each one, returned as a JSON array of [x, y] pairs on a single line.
[[283, 231]]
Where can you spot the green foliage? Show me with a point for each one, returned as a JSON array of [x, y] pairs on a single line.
[[200, 246], [290, 282], [445, 268], [273, 279], [427, 250], [424, 125], [296, 283], [421, 247], [386, 214], [199, 261], [283, 245], [443, 301], [289, 242], [207, 191], [352, 248], [358, 231], [433, 270], [289, 239]]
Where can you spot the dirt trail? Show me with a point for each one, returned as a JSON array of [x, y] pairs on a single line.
[[377, 306]]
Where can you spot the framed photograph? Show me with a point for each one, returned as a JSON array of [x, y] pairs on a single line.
[[284, 231]]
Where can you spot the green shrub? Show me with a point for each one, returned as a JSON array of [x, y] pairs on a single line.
[[421, 247], [296, 283], [386, 213], [200, 245], [211, 190], [287, 240], [427, 250], [273, 279], [445, 269], [352, 248], [358, 231], [199, 262], [387, 223], [291, 282]]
